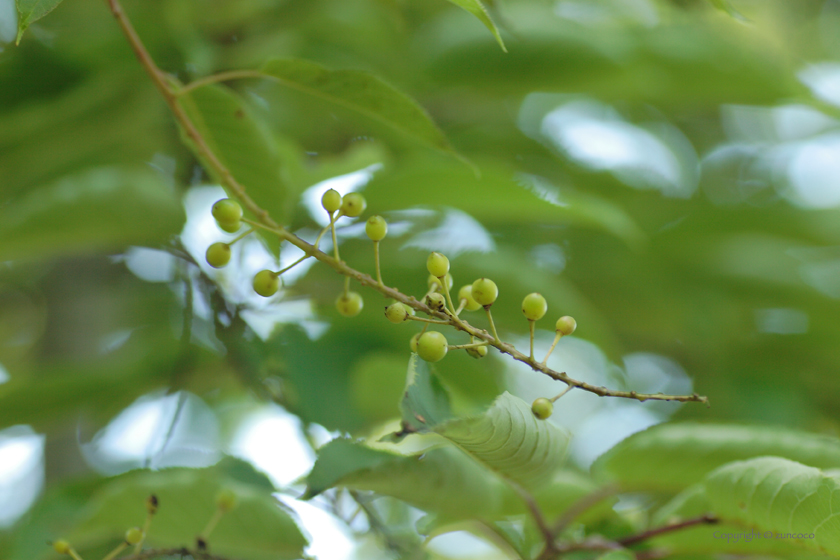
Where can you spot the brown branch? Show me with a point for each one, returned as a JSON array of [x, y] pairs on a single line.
[[171, 94], [702, 520]]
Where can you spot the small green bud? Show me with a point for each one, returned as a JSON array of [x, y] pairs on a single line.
[[349, 305], [466, 293], [376, 228], [432, 346], [565, 325], [485, 291], [396, 313], [331, 201], [266, 283], [353, 205], [534, 306]]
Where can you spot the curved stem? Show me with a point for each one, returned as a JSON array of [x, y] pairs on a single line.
[[531, 325], [557, 338], [220, 77], [492, 324]]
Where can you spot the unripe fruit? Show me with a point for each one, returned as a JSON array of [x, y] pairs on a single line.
[[228, 214], [485, 291], [477, 352], [226, 500], [353, 204], [542, 408], [133, 535], [436, 301], [230, 227], [432, 346], [227, 210], [61, 546], [218, 255], [413, 342], [376, 228], [350, 304], [331, 201], [534, 306], [431, 280], [566, 325], [396, 313], [437, 264], [266, 283], [466, 293]]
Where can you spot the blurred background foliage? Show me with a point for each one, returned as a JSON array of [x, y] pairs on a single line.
[[663, 171]]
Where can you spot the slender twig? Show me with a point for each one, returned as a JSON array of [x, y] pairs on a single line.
[[220, 77], [424, 320], [702, 520], [376, 259], [171, 93], [465, 346]]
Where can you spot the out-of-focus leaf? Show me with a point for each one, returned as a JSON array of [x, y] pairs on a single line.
[[781, 496], [104, 209], [476, 8], [442, 481], [499, 196], [692, 450], [426, 402], [240, 142], [509, 440], [257, 528], [30, 11], [361, 92], [726, 6]]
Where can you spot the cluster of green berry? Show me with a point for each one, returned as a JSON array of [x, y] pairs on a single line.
[[431, 346], [226, 500]]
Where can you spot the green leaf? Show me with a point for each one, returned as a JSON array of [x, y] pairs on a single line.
[[30, 11], [692, 503], [476, 8], [360, 92], [442, 481], [501, 196], [509, 440], [426, 402], [338, 459], [240, 142], [779, 496], [104, 209], [693, 450], [257, 528]]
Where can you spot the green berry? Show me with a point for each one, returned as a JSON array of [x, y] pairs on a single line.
[[376, 228], [437, 264], [484, 291], [61, 546], [477, 352], [432, 280], [350, 304], [466, 293], [566, 325], [133, 535], [436, 301], [226, 500], [413, 342], [396, 313], [409, 309], [218, 255], [432, 346], [353, 204], [227, 210], [331, 201], [542, 408], [534, 306], [266, 283], [228, 214]]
